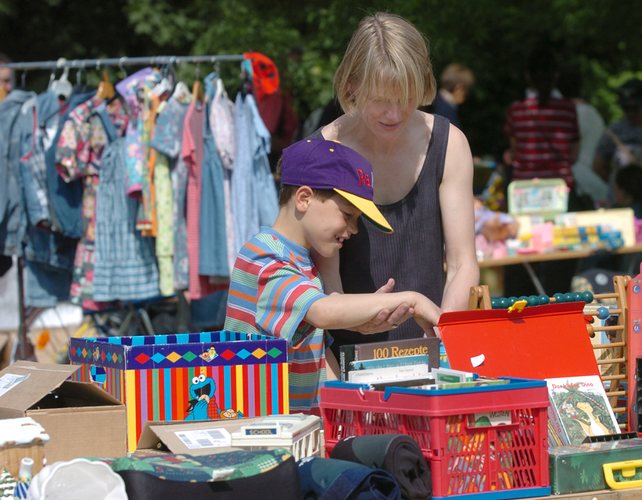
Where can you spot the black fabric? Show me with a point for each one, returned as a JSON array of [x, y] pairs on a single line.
[[579, 202], [280, 483], [397, 454], [5, 264], [554, 276], [331, 479]]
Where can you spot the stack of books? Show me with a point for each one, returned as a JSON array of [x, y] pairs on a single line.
[[392, 361], [408, 363]]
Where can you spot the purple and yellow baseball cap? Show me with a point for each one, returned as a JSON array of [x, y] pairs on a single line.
[[323, 164]]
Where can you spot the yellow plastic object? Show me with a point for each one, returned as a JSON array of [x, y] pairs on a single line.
[[518, 306], [628, 469]]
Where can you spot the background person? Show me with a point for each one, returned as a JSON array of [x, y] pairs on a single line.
[[543, 133], [621, 143], [591, 127], [542, 128], [456, 82], [7, 79]]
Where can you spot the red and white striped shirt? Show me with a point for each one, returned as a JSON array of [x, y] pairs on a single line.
[[543, 138]]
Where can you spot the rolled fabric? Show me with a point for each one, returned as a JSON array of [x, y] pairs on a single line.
[[330, 479], [396, 453]]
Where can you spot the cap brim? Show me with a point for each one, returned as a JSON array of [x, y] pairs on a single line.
[[368, 209]]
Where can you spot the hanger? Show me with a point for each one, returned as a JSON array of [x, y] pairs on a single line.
[[197, 91], [121, 65], [181, 91], [164, 88], [197, 88], [220, 89], [106, 89], [61, 87], [79, 75]]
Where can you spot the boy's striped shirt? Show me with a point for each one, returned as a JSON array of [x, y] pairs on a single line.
[[273, 284]]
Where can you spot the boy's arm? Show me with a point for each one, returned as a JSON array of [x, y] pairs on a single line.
[[386, 318], [344, 311]]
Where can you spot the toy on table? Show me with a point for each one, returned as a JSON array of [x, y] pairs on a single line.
[[24, 478], [492, 229]]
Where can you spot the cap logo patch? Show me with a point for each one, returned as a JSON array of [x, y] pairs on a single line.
[[364, 179]]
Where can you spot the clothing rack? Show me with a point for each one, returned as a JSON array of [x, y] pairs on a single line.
[[24, 350], [119, 61]]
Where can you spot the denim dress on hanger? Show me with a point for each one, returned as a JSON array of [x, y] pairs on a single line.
[[125, 267]]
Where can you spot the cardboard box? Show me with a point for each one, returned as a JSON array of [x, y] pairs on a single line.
[[81, 419], [8, 345], [191, 376], [298, 433], [173, 437]]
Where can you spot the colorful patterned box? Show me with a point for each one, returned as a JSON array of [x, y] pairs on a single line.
[[190, 376]]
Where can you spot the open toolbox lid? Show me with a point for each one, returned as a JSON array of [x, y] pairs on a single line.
[[539, 342]]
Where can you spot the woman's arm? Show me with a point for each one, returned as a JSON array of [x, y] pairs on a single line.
[[458, 218]]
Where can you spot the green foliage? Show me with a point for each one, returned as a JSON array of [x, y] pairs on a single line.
[[493, 37]]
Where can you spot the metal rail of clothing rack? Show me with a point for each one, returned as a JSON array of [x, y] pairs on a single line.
[[118, 61], [23, 351]]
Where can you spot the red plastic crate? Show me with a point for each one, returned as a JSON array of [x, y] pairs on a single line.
[[501, 461]]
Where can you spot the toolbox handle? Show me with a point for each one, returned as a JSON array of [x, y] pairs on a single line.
[[628, 468]]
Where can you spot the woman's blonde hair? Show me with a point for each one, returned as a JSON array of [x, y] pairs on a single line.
[[385, 53]]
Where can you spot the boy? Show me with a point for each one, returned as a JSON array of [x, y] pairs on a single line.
[[276, 288]]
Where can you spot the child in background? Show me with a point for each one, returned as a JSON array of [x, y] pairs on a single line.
[[276, 288], [628, 189]]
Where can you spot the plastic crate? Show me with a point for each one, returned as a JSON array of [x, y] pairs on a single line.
[[509, 460]]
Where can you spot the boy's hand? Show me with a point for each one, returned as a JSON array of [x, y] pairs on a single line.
[[386, 319]]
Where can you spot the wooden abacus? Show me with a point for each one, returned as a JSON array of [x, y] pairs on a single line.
[[611, 357]]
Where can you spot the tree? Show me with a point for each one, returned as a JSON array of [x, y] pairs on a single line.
[[493, 37]]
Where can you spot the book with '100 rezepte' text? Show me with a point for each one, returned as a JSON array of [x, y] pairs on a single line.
[[389, 349]]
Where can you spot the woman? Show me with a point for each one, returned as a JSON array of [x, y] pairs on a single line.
[[422, 179]]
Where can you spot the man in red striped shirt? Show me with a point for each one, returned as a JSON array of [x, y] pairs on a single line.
[[543, 128]]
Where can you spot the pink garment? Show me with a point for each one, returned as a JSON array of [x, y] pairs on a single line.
[[199, 286]]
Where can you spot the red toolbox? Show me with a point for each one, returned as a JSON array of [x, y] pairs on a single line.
[[506, 458]]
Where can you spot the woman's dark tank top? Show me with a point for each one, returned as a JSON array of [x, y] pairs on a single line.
[[413, 255]]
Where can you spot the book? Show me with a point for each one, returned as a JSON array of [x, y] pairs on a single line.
[[451, 376], [579, 408], [490, 418], [389, 349], [366, 364], [478, 382], [389, 374], [412, 383]]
